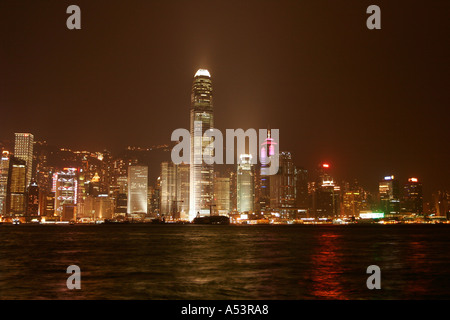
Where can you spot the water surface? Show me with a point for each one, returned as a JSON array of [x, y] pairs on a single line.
[[224, 262]]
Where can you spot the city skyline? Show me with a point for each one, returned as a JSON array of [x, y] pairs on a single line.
[[85, 186], [212, 158], [345, 96]]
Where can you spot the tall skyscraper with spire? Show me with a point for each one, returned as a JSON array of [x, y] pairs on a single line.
[[267, 152], [202, 119]]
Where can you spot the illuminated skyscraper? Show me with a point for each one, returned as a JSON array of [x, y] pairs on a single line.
[[174, 190], [245, 184], [301, 188], [202, 119], [16, 193], [325, 197], [4, 170], [267, 152], [389, 192], [23, 149], [32, 200], [222, 195], [441, 203], [168, 188], [66, 190], [283, 185], [351, 205], [137, 191], [183, 191], [412, 197]]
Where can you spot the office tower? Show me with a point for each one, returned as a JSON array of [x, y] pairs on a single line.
[[301, 188], [412, 197], [33, 200], [137, 191], [154, 203], [48, 205], [222, 195], [201, 173], [245, 184], [168, 189], [325, 194], [351, 203], [283, 185], [389, 195], [93, 187], [121, 182], [121, 205], [441, 204], [183, 191], [66, 189], [16, 189], [4, 171], [44, 170], [174, 190], [23, 149], [267, 152], [233, 190], [257, 188], [99, 208]]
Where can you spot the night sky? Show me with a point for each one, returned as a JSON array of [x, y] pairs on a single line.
[[370, 102]]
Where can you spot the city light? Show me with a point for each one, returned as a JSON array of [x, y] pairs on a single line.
[[202, 72]]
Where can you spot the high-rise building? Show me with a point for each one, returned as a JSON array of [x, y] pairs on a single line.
[[283, 186], [33, 200], [16, 189], [4, 170], [412, 197], [222, 195], [441, 203], [121, 205], [174, 190], [202, 119], [48, 205], [325, 196], [351, 203], [389, 195], [245, 184], [23, 149], [168, 188], [66, 190], [99, 208], [301, 191], [183, 191], [154, 200], [137, 191], [267, 152]]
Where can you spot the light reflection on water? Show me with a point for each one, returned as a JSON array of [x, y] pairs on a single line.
[[224, 262], [327, 268]]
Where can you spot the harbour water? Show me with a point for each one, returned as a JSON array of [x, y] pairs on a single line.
[[144, 261]]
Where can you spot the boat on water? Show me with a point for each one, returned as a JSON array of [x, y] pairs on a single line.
[[109, 221], [212, 220], [158, 221]]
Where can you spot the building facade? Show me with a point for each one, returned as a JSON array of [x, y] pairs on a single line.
[[23, 149], [389, 196], [245, 184], [137, 191], [202, 119]]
